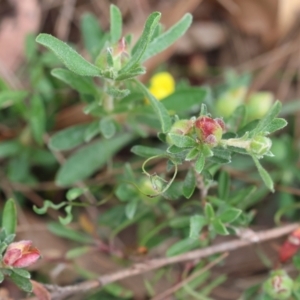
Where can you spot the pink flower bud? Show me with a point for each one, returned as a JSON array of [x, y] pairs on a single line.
[[209, 130], [21, 254]]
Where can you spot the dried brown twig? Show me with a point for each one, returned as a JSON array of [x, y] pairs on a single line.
[[58, 292]]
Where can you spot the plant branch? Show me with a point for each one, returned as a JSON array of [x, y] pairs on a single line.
[[58, 292]]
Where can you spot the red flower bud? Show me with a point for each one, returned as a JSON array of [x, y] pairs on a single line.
[[209, 130], [290, 247], [21, 254]]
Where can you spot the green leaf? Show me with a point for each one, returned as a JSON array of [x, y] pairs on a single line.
[[143, 42], [9, 216], [8, 98], [117, 93], [146, 152], [22, 282], [219, 227], [1, 277], [200, 162], [189, 184], [74, 193], [93, 37], [71, 59], [183, 99], [126, 192], [65, 232], [68, 138], [37, 118], [183, 246], [221, 155], [181, 141], [166, 39], [197, 222], [117, 291], [192, 154], [267, 119], [276, 124], [22, 273], [90, 158], [209, 211], [223, 185], [107, 127], [133, 73], [130, 208], [83, 85], [158, 107], [10, 148], [115, 24], [92, 130], [76, 252], [229, 215], [264, 174]]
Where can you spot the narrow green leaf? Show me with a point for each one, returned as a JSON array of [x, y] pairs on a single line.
[[192, 154], [74, 193], [83, 85], [133, 73], [91, 131], [189, 184], [267, 119], [264, 175], [93, 36], [229, 215], [9, 216], [115, 24], [223, 185], [158, 107], [8, 98], [181, 141], [1, 277], [146, 152], [68, 138], [117, 93], [78, 251], [183, 99], [22, 282], [143, 42], [200, 162], [130, 208], [197, 222], [71, 59], [183, 246], [219, 227], [37, 118], [276, 124], [209, 211], [107, 127], [166, 39], [10, 148], [90, 158], [70, 234]]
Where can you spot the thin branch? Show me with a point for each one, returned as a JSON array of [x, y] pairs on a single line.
[[179, 285], [58, 292]]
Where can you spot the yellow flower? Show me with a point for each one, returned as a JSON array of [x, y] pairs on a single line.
[[162, 85]]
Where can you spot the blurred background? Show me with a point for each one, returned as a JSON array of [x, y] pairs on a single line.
[[256, 37]]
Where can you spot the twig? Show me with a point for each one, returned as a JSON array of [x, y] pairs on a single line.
[[179, 285], [58, 292]]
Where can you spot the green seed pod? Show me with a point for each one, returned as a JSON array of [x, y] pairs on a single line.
[[260, 145], [258, 105], [279, 286]]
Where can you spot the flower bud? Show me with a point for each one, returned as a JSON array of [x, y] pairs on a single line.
[[290, 247], [258, 105], [209, 130], [260, 145], [279, 286], [181, 127], [230, 100], [21, 254]]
